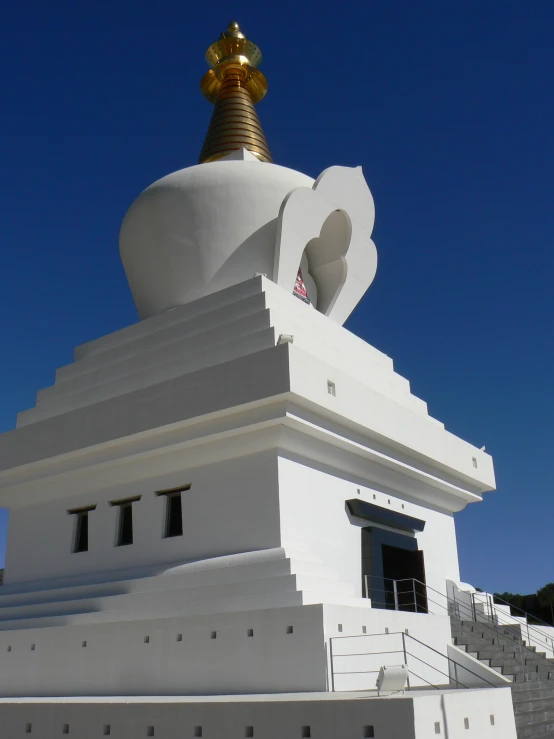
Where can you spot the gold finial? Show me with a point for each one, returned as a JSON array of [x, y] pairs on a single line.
[[233, 29], [234, 84]]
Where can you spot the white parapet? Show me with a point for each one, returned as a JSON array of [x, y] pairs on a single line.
[[458, 714]]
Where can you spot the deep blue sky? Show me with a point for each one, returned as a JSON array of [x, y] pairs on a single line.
[[448, 107]]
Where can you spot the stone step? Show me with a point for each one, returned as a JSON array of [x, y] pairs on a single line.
[[516, 669], [487, 633], [489, 647], [530, 695], [479, 645], [535, 704], [524, 688], [544, 728], [534, 717], [532, 677], [499, 658], [491, 652], [490, 634]]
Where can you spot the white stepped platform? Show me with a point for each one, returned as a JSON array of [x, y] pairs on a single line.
[[199, 336], [287, 716]]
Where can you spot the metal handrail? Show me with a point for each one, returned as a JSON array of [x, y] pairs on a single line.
[[405, 653], [526, 615], [543, 639], [470, 612], [548, 640]]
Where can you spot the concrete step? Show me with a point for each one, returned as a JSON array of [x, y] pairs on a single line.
[[540, 729], [484, 633], [479, 645], [516, 669], [491, 633], [499, 658], [524, 688], [534, 717], [530, 695], [491, 653], [532, 677], [486, 647], [535, 704]]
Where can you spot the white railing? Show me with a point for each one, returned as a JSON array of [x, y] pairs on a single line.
[[355, 662]]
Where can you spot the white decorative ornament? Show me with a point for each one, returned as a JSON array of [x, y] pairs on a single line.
[[328, 227]]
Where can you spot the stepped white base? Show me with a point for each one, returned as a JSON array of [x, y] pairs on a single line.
[[289, 716]]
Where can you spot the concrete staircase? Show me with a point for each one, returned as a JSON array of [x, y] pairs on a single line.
[[532, 674]]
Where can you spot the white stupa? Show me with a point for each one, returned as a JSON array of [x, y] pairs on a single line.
[[212, 511]]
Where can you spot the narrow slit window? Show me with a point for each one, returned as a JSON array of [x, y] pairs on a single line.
[[81, 532], [173, 515], [80, 529], [125, 521], [173, 525], [125, 533]]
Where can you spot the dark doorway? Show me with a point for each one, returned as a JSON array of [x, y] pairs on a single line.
[[393, 570], [404, 573]]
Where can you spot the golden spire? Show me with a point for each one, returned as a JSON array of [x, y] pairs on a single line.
[[234, 83]]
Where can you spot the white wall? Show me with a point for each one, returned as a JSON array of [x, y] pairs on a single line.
[[113, 658], [316, 526], [407, 717], [363, 641], [231, 507], [471, 672], [480, 708]]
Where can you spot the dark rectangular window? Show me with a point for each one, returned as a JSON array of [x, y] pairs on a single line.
[[125, 529], [125, 520], [173, 510], [80, 531], [174, 515]]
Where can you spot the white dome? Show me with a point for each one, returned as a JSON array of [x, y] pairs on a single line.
[[202, 229]]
